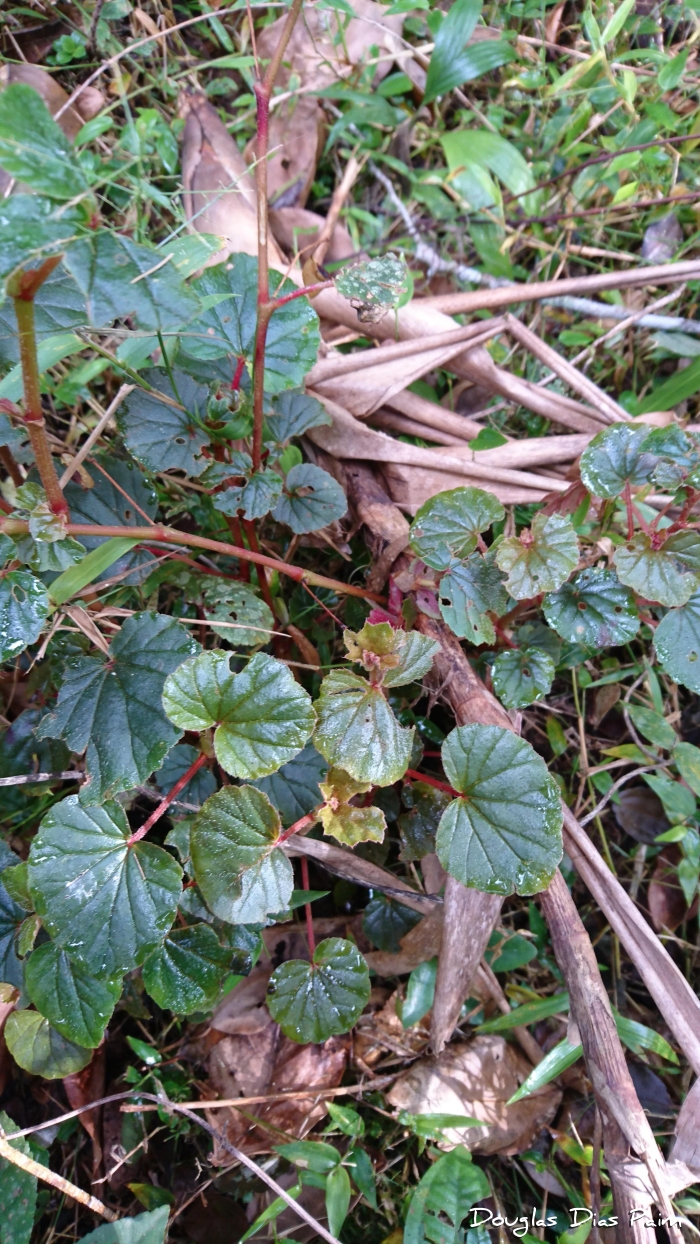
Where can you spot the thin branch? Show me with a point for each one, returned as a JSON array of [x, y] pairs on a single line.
[[50, 1177], [95, 434], [616, 786], [25, 778], [165, 803]]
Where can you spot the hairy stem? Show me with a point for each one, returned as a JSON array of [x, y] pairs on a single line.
[[415, 776], [305, 821], [22, 288], [169, 798]]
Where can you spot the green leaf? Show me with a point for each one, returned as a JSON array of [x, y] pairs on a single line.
[[504, 834], [468, 593], [479, 153], [58, 306], [314, 1001], [448, 524], [242, 873], [311, 1155], [345, 1120], [75, 1003], [33, 147], [373, 286], [594, 609], [90, 567], [522, 676], [357, 730], [107, 904], [40, 1049], [44, 555], [678, 801], [228, 601], [105, 505], [24, 608], [262, 716], [687, 759], [447, 1190], [616, 457], [676, 389], [638, 1037], [470, 63], [159, 435], [677, 643], [342, 819], [28, 230], [617, 21], [653, 726], [226, 331], [293, 413], [176, 763], [359, 1163], [11, 917], [669, 574], [17, 1192], [540, 558], [311, 499], [338, 1193], [506, 952], [528, 1013], [557, 1060], [670, 75], [119, 277], [294, 790], [418, 825], [386, 921], [401, 656], [113, 706], [15, 878], [420, 993], [255, 498], [186, 972], [143, 1229]]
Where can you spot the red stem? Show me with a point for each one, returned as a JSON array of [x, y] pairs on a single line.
[[165, 803], [307, 907], [302, 292], [423, 777], [297, 827], [627, 494], [236, 382]]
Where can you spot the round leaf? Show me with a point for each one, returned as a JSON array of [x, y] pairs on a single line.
[[448, 524], [24, 608], [40, 1049], [11, 917], [468, 593], [311, 499], [669, 574], [386, 921], [540, 558], [358, 732], [594, 609], [293, 413], [255, 498], [262, 716], [677, 643], [522, 676], [614, 458], [294, 790], [77, 1004], [242, 874], [227, 601], [314, 1001], [159, 435], [185, 974], [504, 834], [108, 905]]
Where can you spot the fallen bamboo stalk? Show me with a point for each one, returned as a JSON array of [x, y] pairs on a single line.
[[540, 451], [221, 1103], [609, 409], [393, 422], [344, 364], [413, 406]]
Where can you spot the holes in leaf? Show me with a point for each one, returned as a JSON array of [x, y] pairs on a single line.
[[180, 440], [582, 605], [617, 609], [18, 594], [692, 656], [527, 673], [128, 515]]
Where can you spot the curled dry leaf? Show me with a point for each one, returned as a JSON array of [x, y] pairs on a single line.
[[476, 1080], [665, 898]]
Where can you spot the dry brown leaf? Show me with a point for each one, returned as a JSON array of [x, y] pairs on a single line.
[[665, 897], [83, 1087], [420, 943], [476, 1080], [640, 813], [604, 698], [381, 1032], [297, 131]]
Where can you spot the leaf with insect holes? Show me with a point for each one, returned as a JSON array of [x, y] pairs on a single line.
[[522, 676], [468, 593], [616, 457], [373, 286], [11, 917], [142, 1229], [294, 790], [39, 1049], [314, 1001], [186, 972], [448, 1190], [29, 230], [119, 277], [504, 832], [113, 706], [677, 643], [386, 921], [358, 732], [311, 499], [344, 821], [256, 497], [262, 716], [540, 558], [160, 436], [24, 608], [106, 506], [447, 526], [242, 873], [669, 574], [33, 147], [226, 600], [293, 413], [107, 904], [594, 609], [76, 1003], [49, 555], [226, 329], [401, 656], [17, 1191]]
